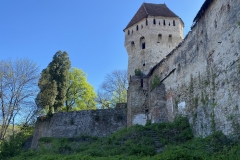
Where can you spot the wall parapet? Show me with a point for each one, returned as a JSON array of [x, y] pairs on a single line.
[[101, 122]]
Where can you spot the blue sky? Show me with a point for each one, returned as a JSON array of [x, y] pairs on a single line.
[[90, 31]]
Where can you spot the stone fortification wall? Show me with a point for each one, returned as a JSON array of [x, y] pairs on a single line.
[[102, 122], [201, 76]]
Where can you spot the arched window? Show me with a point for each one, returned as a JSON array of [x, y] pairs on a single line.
[[159, 23], [142, 42], [164, 22], [170, 38], [128, 32], [132, 45], [146, 22], [137, 27], [169, 24], [154, 21], [173, 22], [159, 38]]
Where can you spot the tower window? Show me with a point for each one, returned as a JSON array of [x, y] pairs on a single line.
[[228, 7], [164, 22], [132, 31], [170, 38], [132, 46], [141, 26], [173, 22], [159, 38], [128, 32], [169, 24], [146, 22], [159, 23], [142, 42], [137, 27], [142, 83], [154, 21]]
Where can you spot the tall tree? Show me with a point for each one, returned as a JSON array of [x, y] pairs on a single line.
[[18, 86], [113, 89], [53, 83], [80, 94]]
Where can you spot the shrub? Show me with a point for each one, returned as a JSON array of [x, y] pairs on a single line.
[[138, 72]]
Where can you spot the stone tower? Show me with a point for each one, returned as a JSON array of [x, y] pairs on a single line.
[[151, 34]]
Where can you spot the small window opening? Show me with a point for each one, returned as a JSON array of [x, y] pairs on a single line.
[[137, 27], [159, 38], [142, 42], [146, 111], [164, 22], [132, 43], [132, 46], [173, 22], [132, 31], [142, 83], [141, 26], [146, 22], [128, 32], [228, 7], [169, 24], [159, 23], [154, 21], [215, 23], [170, 38]]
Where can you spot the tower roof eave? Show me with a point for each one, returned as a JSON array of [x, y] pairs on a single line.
[[149, 9]]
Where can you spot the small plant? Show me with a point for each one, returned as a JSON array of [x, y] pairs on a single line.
[[155, 82], [213, 125], [138, 72], [213, 105], [149, 122], [191, 90]]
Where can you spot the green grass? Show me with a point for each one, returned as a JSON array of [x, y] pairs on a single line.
[[136, 142]]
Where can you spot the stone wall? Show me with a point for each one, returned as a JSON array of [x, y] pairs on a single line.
[[201, 76], [102, 122]]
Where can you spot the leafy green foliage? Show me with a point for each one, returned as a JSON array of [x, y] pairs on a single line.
[[53, 83], [136, 142], [138, 72], [155, 82], [80, 94], [13, 146]]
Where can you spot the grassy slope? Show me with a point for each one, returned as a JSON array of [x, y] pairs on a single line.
[[137, 143]]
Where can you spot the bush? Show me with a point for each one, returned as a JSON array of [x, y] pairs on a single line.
[[138, 72], [13, 146]]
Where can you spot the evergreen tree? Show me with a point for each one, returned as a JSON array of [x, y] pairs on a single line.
[[53, 83]]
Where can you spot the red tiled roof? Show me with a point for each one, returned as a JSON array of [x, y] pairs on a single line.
[[149, 9]]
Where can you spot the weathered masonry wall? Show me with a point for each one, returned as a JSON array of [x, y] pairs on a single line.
[[102, 122], [156, 39], [201, 77]]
